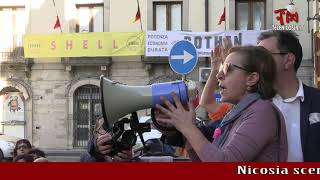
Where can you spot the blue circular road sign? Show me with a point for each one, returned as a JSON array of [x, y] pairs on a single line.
[[183, 57]]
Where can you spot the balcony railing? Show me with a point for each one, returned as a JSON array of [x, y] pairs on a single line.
[[12, 49]]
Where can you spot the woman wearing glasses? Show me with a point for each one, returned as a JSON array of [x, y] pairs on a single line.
[[254, 129], [23, 147]]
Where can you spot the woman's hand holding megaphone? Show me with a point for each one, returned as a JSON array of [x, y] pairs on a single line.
[[160, 115], [178, 116]]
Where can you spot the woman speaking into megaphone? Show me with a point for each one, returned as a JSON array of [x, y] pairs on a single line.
[[253, 130]]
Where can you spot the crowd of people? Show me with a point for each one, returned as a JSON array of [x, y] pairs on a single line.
[[24, 152]]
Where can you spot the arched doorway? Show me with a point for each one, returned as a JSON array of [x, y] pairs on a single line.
[[86, 108]]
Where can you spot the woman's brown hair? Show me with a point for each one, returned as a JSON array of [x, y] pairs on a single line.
[[258, 59]]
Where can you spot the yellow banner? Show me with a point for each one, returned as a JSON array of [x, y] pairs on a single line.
[[84, 44]]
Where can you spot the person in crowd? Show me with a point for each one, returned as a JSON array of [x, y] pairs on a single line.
[[299, 103], [253, 130], [99, 148], [23, 146], [37, 153], [23, 158]]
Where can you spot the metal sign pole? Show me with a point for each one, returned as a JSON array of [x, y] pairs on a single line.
[[184, 77]]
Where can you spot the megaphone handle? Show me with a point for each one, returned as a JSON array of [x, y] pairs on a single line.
[[142, 140], [134, 126], [105, 126]]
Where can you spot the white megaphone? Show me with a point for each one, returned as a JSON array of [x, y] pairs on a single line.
[[119, 100]]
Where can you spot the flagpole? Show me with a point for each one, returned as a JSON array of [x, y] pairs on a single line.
[[54, 5], [225, 21], [140, 16]]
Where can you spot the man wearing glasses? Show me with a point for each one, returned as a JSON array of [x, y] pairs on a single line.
[[299, 104]]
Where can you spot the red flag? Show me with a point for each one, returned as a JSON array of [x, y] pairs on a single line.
[[138, 15], [57, 24], [223, 16]]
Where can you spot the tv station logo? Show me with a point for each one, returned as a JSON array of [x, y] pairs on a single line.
[[286, 17]]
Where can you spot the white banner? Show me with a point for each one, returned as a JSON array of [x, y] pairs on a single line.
[[159, 43]]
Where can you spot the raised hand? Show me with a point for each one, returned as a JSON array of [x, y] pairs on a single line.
[[216, 60]]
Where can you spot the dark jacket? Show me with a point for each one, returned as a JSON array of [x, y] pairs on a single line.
[[310, 133]]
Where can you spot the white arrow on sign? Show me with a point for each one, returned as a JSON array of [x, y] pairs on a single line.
[[186, 57]]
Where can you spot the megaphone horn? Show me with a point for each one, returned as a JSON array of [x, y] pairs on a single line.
[[118, 100]]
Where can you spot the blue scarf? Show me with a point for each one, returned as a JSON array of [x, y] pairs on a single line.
[[234, 114]]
